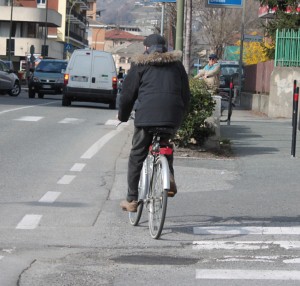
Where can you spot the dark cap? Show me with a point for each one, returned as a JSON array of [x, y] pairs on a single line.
[[213, 56], [154, 39]]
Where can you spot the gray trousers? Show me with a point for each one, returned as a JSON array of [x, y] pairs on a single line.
[[141, 142]]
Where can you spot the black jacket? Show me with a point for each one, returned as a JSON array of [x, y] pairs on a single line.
[[157, 85]]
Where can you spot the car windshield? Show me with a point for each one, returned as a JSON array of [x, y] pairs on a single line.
[[229, 70], [51, 66]]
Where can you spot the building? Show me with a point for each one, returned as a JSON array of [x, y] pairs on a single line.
[[53, 28]]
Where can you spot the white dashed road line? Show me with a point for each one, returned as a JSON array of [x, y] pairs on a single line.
[[66, 179], [246, 274], [77, 167], [50, 197], [29, 221], [29, 118], [1, 257], [71, 121]]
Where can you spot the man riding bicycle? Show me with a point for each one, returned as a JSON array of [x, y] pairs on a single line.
[[157, 87]]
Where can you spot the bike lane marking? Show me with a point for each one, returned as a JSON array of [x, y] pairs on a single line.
[[97, 146]]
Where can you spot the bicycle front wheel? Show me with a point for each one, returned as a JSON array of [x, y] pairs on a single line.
[[158, 199], [134, 218]]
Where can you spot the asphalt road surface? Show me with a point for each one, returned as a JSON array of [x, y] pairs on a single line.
[[235, 221]]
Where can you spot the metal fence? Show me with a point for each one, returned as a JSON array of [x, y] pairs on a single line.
[[287, 52]]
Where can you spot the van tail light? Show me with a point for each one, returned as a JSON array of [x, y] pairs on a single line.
[[66, 78], [114, 82]]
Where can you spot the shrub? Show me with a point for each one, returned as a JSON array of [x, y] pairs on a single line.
[[194, 129]]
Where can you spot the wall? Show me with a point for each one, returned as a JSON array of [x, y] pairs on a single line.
[[279, 102], [257, 77]]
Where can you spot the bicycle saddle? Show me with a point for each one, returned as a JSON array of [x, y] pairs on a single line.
[[161, 130]]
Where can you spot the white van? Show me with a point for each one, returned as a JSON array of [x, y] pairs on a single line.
[[90, 76]]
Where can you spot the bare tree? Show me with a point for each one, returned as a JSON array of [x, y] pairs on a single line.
[[218, 27]]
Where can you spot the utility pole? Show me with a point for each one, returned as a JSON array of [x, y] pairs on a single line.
[[179, 25], [10, 29]]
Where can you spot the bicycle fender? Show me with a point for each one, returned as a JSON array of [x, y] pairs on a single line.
[[165, 172]]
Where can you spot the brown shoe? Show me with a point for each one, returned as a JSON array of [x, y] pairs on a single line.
[[173, 189], [129, 206]]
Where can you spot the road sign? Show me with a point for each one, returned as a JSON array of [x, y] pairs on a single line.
[[224, 3], [68, 47], [252, 38]]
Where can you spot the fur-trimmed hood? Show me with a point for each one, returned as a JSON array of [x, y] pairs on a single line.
[[157, 58]]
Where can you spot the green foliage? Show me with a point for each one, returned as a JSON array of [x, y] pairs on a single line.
[[282, 20], [194, 129]]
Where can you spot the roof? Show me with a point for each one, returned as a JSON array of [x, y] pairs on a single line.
[[128, 49], [117, 34]]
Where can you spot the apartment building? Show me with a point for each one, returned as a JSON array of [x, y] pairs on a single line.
[[54, 28]]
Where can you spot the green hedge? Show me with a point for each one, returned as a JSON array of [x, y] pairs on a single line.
[[194, 129]]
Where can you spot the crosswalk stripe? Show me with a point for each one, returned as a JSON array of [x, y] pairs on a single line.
[[243, 245], [246, 230], [246, 274]]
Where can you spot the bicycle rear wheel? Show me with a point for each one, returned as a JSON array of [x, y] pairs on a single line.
[[158, 199]]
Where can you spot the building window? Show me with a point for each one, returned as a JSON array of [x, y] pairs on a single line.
[[129, 60], [122, 60]]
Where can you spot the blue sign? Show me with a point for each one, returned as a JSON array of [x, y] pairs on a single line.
[[164, 1], [225, 3], [68, 47]]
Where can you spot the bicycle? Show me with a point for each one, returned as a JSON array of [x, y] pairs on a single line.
[[154, 183]]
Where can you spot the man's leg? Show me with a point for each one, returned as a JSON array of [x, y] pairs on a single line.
[[140, 145]]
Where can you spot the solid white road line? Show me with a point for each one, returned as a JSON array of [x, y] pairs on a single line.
[[16, 109], [29, 118], [95, 148], [244, 245], [247, 230], [29, 222], [49, 197], [66, 179], [77, 167], [246, 274]]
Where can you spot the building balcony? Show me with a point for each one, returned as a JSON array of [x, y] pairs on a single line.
[[76, 18], [28, 14]]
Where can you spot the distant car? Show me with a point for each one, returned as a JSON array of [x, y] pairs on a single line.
[[9, 82], [47, 78], [230, 69]]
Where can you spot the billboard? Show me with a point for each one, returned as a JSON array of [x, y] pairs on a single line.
[[224, 3]]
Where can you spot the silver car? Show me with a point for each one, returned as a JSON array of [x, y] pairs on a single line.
[[9, 82]]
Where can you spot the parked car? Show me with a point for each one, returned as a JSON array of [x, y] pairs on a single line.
[[91, 76], [9, 82], [47, 78], [230, 69]]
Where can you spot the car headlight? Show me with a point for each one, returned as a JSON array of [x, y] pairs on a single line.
[[35, 79]]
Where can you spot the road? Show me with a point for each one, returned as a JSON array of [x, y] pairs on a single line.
[[63, 174]]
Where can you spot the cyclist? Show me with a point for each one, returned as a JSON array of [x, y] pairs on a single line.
[[157, 87], [211, 74]]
